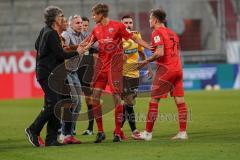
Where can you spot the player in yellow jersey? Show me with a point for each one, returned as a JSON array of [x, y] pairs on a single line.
[[132, 52]]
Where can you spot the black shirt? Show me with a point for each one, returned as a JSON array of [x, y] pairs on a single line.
[[50, 53]]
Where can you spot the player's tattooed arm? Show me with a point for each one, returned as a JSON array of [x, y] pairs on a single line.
[[158, 53]]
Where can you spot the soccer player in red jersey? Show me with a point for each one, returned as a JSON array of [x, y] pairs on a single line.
[[169, 75], [108, 70]]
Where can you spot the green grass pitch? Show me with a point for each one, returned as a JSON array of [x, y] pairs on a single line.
[[213, 128]]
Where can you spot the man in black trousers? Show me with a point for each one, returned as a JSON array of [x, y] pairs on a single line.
[[50, 54]]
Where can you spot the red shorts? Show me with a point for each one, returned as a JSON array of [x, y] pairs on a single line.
[[113, 79], [111, 76], [166, 81]]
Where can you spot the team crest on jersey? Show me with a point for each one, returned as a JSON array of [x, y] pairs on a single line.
[[116, 83], [110, 30], [157, 39]]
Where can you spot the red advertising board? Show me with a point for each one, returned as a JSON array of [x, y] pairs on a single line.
[[17, 75]]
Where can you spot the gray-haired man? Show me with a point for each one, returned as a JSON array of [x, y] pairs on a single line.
[[50, 54], [73, 37]]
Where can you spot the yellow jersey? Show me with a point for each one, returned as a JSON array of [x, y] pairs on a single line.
[[131, 49]]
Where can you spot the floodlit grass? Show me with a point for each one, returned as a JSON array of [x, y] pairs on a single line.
[[213, 128]]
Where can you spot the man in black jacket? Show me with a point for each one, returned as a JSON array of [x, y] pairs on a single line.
[[50, 54]]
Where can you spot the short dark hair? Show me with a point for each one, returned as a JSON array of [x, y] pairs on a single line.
[[159, 14], [50, 14], [126, 16], [85, 19], [101, 8]]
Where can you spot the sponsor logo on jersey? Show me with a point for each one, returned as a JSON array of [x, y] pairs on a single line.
[[130, 51], [157, 39], [110, 30]]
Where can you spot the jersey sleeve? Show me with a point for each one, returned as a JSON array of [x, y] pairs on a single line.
[[157, 39], [123, 31]]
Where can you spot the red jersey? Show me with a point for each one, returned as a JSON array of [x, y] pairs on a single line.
[[109, 39], [170, 41]]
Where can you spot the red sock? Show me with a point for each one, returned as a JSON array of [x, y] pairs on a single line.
[[118, 118], [182, 116], [97, 111], [152, 116]]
